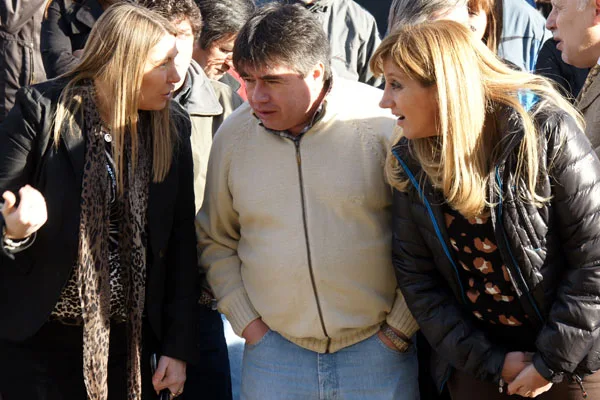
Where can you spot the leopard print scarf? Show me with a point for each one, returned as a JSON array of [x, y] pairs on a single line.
[[92, 270]]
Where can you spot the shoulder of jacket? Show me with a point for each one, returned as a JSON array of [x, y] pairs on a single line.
[[226, 95], [357, 13], [42, 95], [236, 127]]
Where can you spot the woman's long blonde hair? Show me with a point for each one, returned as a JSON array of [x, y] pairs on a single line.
[[471, 84], [115, 54]]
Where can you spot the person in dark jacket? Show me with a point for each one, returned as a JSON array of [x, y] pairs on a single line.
[[353, 37], [496, 218], [65, 30], [99, 254], [551, 65], [379, 10], [20, 59]]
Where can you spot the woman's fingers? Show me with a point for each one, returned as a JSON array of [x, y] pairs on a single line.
[[26, 218], [9, 202]]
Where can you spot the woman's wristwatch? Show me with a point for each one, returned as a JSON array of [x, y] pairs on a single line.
[[401, 342]]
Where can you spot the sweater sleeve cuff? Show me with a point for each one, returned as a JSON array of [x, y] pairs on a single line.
[[400, 317], [239, 310]]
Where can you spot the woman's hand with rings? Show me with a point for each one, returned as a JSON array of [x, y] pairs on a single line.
[[177, 393], [28, 217], [170, 374]]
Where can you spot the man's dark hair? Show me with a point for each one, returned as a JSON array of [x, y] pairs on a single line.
[[282, 34], [176, 10], [222, 18]]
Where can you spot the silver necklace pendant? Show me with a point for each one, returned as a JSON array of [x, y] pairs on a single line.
[[107, 137]]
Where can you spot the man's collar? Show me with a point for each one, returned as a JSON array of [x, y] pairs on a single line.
[[197, 94]]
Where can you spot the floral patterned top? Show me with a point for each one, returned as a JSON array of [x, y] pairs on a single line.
[[490, 293]]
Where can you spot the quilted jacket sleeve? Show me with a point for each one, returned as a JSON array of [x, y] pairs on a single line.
[[571, 331]]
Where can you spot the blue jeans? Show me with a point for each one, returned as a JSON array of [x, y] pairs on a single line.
[[275, 368]]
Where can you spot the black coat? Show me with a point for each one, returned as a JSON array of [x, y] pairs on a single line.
[[20, 59], [551, 65], [66, 27], [552, 253], [31, 284]]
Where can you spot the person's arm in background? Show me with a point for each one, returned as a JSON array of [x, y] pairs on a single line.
[[16, 13], [367, 48], [56, 47]]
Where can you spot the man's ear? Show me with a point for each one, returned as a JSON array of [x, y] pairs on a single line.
[[318, 71], [597, 12]]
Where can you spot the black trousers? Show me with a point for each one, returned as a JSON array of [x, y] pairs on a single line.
[[49, 365], [210, 379]]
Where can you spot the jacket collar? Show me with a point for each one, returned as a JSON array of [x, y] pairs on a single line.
[[197, 95]]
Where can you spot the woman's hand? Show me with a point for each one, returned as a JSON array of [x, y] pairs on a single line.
[[28, 217], [514, 363], [170, 374], [255, 331], [529, 383]]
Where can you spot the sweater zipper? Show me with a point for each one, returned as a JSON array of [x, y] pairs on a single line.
[[310, 266]]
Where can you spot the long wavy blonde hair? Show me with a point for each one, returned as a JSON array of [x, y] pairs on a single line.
[[471, 84], [115, 55]]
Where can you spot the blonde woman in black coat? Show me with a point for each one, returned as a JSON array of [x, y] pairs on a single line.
[[99, 265], [496, 218]]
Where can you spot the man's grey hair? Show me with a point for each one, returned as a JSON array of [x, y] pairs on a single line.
[[410, 12]]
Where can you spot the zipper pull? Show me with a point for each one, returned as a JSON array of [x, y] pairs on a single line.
[[579, 381], [501, 386]]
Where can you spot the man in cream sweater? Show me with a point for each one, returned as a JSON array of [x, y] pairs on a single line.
[[295, 229]]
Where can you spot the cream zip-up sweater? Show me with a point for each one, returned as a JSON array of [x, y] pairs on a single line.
[[299, 233]]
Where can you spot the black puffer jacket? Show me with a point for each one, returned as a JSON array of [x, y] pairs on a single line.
[[552, 253]]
